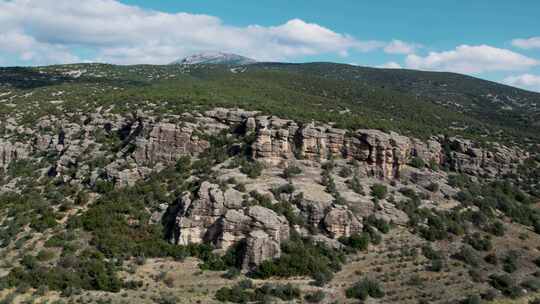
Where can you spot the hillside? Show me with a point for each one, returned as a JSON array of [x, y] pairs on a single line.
[[409, 102], [267, 182]]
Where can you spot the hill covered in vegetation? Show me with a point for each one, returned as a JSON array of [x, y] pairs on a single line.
[[269, 182], [410, 102]]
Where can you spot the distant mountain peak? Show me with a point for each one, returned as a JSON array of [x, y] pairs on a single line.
[[215, 58]]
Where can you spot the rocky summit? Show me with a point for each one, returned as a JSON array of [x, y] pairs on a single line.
[[215, 58], [196, 184]]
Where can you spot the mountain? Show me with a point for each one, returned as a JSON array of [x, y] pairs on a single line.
[[288, 183], [215, 58]]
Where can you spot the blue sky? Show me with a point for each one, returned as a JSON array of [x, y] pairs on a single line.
[[497, 40]]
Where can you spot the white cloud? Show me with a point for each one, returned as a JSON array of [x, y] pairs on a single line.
[[401, 47], [529, 43], [390, 65], [525, 81], [28, 49], [472, 60], [52, 30]]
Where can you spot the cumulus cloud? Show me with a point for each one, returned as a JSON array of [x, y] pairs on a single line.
[[529, 43], [52, 31], [472, 60], [390, 65], [525, 81], [31, 50], [401, 47]]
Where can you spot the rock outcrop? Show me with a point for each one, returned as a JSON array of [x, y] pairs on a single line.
[[10, 152], [277, 141], [166, 143], [218, 217]]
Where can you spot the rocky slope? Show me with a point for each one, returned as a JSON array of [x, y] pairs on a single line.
[[215, 58], [225, 217]]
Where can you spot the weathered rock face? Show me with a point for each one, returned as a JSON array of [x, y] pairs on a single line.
[[259, 247], [382, 154], [340, 221], [466, 156], [334, 220], [218, 217], [277, 141], [166, 143], [10, 152]]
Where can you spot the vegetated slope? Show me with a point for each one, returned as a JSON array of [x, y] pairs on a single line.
[[116, 185], [487, 101], [410, 102]]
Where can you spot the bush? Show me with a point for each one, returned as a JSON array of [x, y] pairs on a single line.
[[232, 273], [301, 257], [478, 242], [418, 162], [497, 229], [433, 187], [467, 255], [45, 255], [315, 297], [379, 191], [234, 295], [291, 172], [491, 259], [287, 188], [378, 223], [286, 292], [252, 169], [537, 262], [509, 262], [534, 301], [243, 293], [505, 284], [355, 185], [474, 299], [531, 284], [364, 288], [356, 241], [431, 253], [345, 172], [436, 265]]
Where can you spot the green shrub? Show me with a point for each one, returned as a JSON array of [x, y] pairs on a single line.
[[365, 288], [45, 255], [467, 255], [301, 257], [287, 189], [534, 301], [252, 169], [357, 241], [474, 299], [491, 259], [509, 261], [379, 191], [378, 223], [532, 284], [291, 172], [506, 285], [433, 187], [315, 297], [436, 265], [356, 186], [478, 242], [418, 162], [497, 229], [345, 172]]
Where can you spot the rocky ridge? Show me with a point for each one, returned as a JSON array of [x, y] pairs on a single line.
[[225, 217]]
